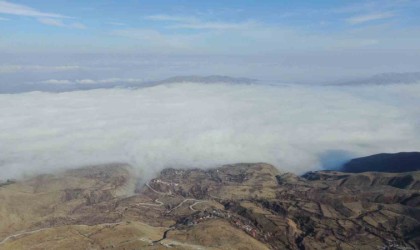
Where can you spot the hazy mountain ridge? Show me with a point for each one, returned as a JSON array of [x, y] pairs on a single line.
[[395, 163], [385, 79], [58, 86], [81, 85]]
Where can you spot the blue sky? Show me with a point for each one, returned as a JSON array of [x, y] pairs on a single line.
[[208, 27]]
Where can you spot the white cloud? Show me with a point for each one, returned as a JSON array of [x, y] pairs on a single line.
[[55, 81], [51, 19], [23, 10], [60, 23], [375, 6], [369, 17], [255, 37], [77, 25], [214, 25], [196, 125], [109, 80], [86, 81], [116, 23], [51, 22], [191, 22], [170, 18], [252, 38]]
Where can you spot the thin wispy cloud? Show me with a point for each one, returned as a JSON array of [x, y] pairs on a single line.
[[265, 30], [170, 18], [50, 21], [116, 23], [55, 81], [213, 25], [256, 37], [77, 25], [46, 18], [370, 17], [193, 23], [375, 6], [23, 10], [4, 19]]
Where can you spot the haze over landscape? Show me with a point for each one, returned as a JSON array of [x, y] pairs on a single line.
[[107, 54], [296, 128], [218, 124]]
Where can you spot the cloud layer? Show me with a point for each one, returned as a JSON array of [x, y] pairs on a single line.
[[196, 125]]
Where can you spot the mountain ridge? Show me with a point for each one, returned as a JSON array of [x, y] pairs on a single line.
[[73, 86], [384, 79]]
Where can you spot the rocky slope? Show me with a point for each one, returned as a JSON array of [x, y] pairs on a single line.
[[242, 206]]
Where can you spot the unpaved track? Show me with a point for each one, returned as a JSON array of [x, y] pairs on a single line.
[[197, 202], [154, 190], [43, 229], [157, 203]]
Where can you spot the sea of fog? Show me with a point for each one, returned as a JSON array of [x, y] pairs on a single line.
[[296, 128]]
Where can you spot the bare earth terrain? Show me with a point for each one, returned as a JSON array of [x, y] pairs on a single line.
[[242, 206]]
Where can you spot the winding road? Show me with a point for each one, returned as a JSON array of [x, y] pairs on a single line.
[[154, 190], [159, 203], [197, 202]]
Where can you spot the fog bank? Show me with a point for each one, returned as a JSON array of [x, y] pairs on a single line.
[[296, 128]]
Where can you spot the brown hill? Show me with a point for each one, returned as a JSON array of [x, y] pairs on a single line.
[[242, 206]]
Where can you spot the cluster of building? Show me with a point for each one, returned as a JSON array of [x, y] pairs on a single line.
[[246, 227], [216, 213]]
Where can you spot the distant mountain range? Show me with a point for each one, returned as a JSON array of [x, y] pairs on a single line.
[[57, 86], [68, 86], [385, 79]]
